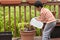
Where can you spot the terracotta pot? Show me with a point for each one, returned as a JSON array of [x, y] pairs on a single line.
[[10, 1], [32, 1], [27, 35]]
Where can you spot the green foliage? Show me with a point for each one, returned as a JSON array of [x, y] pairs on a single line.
[[17, 18], [1, 19], [37, 32]]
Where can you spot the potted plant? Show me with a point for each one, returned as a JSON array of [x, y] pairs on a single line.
[[10, 1], [27, 32], [32, 1]]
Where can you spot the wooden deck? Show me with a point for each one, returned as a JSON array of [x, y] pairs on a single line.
[[37, 38]]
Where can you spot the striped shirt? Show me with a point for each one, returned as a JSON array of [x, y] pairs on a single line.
[[46, 16]]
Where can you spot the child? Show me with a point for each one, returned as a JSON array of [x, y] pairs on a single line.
[[46, 17]]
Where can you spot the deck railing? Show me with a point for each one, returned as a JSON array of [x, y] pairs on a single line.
[[22, 12]]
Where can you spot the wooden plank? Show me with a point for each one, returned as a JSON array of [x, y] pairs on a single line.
[[35, 12], [36, 38], [20, 14], [30, 12], [14, 21], [50, 7], [53, 3], [4, 18], [58, 24], [24, 13], [27, 4], [59, 12], [39, 38], [9, 20]]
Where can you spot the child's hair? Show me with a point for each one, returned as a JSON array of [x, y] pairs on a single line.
[[38, 4]]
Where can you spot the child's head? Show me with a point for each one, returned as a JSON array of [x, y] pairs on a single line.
[[38, 4]]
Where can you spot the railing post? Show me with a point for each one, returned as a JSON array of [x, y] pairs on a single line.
[[20, 14], [14, 21], [9, 20], [24, 13], [4, 18], [35, 12], [30, 12], [59, 12]]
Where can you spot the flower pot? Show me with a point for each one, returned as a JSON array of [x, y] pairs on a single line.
[[27, 35], [10, 1], [5, 35], [32, 1]]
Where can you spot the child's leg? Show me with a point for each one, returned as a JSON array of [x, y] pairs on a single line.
[[47, 30]]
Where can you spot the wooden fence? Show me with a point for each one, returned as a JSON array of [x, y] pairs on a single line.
[[54, 6]]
